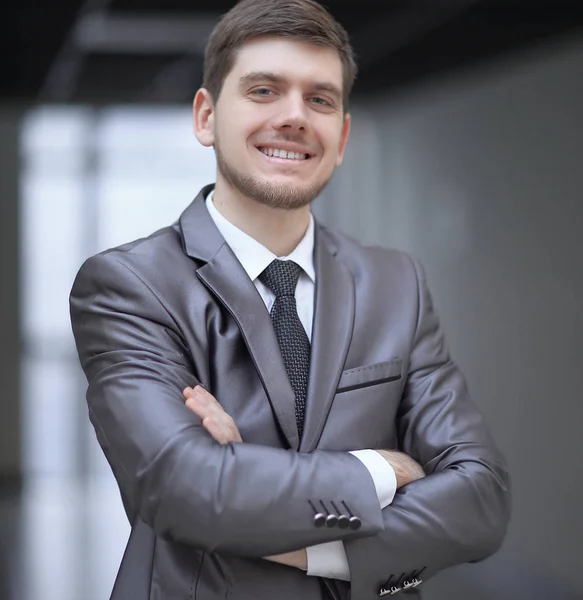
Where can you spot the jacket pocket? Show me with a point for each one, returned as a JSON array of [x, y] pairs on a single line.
[[365, 376]]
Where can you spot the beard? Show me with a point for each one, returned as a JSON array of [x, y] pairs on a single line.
[[275, 195]]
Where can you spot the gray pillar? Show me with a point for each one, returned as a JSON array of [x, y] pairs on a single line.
[[10, 341]]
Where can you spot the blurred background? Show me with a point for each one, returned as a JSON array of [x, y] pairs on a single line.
[[467, 151]]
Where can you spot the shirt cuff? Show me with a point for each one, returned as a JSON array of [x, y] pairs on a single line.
[[328, 560], [383, 475]]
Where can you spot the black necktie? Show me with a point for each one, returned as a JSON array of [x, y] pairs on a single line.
[[281, 277]]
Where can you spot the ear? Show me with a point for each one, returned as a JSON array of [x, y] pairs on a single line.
[[203, 113], [343, 139]]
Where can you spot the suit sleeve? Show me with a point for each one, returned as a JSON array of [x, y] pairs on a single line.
[[240, 499], [459, 512]]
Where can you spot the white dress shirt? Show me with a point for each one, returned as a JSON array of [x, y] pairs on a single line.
[[324, 560]]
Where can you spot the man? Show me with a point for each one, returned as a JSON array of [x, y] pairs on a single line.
[[275, 399]]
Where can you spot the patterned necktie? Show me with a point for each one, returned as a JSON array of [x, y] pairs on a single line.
[[281, 277]]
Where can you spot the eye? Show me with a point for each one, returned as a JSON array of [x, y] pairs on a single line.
[[263, 92], [320, 101]]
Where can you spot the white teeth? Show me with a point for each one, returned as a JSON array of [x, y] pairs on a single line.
[[283, 154]]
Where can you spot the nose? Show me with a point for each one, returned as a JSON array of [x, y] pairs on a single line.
[[292, 115]]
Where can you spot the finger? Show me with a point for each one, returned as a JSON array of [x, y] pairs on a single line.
[[205, 396], [233, 430], [216, 414], [202, 410], [218, 430], [189, 391], [236, 437], [205, 406], [228, 426], [222, 428], [202, 398]]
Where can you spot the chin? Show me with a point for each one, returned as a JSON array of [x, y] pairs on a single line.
[[286, 195], [277, 190]]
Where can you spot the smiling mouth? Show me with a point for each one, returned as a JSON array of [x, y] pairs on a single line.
[[283, 154]]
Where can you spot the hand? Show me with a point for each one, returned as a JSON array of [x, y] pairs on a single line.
[[215, 420], [406, 469], [222, 428]]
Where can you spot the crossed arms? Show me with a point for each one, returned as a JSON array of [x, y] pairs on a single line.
[[249, 500], [223, 429]]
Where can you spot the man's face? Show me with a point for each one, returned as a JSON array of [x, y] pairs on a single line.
[[279, 128]]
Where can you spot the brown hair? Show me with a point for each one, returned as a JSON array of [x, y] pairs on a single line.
[[304, 20]]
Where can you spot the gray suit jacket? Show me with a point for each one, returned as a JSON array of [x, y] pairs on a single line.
[[177, 308]]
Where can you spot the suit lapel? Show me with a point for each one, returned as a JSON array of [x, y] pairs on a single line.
[[223, 274], [331, 335], [227, 279]]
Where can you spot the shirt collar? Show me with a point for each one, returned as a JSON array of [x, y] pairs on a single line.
[[255, 257]]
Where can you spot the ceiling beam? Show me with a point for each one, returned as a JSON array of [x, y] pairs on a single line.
[[397, 29], [136, 34], [63, 74], [98, 31]]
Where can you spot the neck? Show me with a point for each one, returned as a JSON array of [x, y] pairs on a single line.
[[279, 230]]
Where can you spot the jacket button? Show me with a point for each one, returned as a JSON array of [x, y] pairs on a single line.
[[331, 520], [343, 522], [319, 520]]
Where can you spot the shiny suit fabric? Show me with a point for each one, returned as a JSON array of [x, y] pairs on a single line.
[[176, 309]]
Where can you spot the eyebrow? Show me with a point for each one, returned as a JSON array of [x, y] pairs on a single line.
[[258, 76]]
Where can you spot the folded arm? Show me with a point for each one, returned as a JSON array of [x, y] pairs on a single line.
[[459, 512], [241, 499], [389, 469]]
